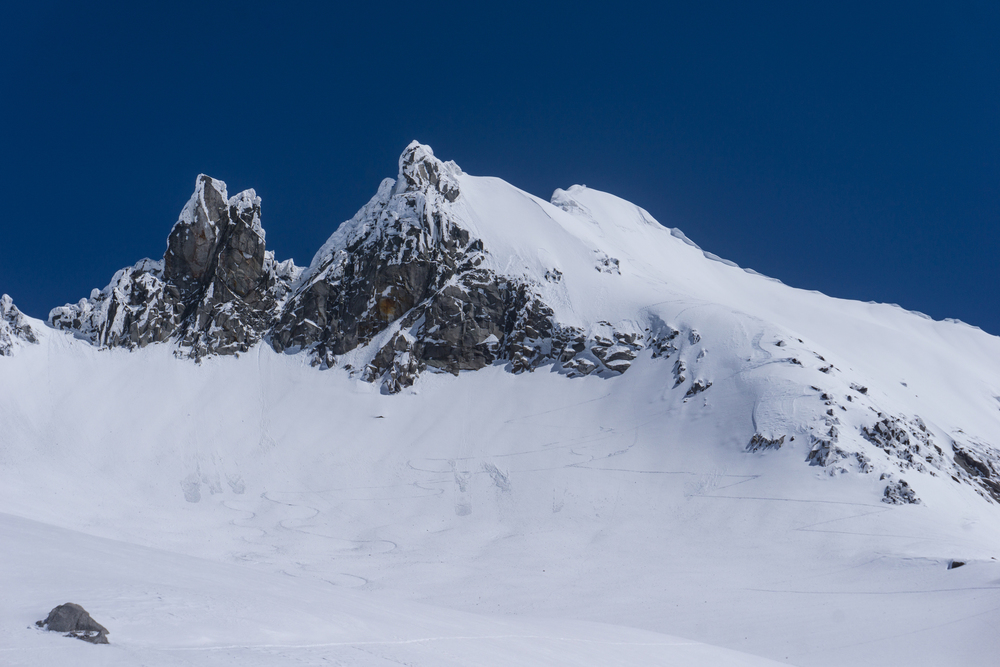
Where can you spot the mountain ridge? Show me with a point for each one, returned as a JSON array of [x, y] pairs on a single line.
[[481, 400], [444, 272]]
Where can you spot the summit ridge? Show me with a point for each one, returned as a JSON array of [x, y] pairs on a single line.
[[442, 271]]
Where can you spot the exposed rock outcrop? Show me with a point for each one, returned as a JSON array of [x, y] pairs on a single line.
[[137, 308], [978, 464], [76, 622], [216, 290], [903, 444], [14, 327], [402, 251], [232, 300], [898, 492], [404, 280], [406, 276], [760, 442]]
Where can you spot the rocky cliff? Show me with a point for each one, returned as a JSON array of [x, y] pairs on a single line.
[[216, 290], [14, 327], [404, 276]]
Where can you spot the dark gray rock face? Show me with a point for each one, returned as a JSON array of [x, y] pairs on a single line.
[[238, 295], [405, 276], [193, 240], [405, 265], [761, 442], [216, 291], [73, 619], [402, 251], [137, 308], [14, 327], [979, 464]]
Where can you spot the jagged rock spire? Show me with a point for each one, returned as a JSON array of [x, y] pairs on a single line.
[[193, 240], [217, 289]]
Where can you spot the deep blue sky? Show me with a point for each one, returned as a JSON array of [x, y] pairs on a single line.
[[852, 148]]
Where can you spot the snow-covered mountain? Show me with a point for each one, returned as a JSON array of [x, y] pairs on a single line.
[[487, 403]]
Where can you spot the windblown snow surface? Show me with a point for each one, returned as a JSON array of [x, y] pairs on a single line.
[[258, 511]]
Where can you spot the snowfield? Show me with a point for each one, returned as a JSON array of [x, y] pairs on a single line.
[[734, 497], [178, 610]]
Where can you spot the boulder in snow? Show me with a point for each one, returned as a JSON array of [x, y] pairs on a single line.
[[76, 622]]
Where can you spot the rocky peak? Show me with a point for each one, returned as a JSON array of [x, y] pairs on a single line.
[[242, 291], [217, 289], [404, 283], [420, 170], [14, 327], [193, 240], [394, 254], [405, 286]]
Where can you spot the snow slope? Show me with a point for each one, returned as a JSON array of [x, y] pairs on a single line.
[[728, 487], [176, 610]]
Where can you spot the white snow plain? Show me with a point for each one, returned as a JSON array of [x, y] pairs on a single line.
[[257, 511]]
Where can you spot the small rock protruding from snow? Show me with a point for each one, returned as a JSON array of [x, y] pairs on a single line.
[[760, 442], [697, 387], [607, 264], [680, 368], [662, 343], [899, 492], [76, 622]]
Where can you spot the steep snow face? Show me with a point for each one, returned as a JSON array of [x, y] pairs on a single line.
[[15, 330], [860, 360], [490, 498]]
